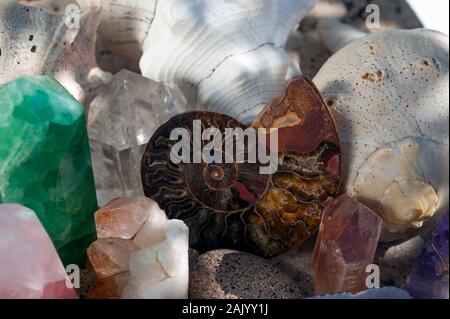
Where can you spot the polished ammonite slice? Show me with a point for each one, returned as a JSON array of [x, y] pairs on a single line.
[[233, 205]]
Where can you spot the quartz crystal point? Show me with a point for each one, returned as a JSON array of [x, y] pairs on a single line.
[[429, 277], [30, 267], [121, 121], [109, 257], [45, 163], [152, 263], [346, 244], [122, 217]]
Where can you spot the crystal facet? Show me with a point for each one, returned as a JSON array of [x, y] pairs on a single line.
[[109, 257], [346, 245], [30, 266], [161, 271], [121, 121], [152, 263], [122, 217], [429, 276], [45, 162]]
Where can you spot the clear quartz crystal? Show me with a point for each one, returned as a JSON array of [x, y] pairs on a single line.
[[122, 119]]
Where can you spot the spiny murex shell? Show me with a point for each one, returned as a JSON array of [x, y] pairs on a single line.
[[34, 42], [233, 205], [389, 94]]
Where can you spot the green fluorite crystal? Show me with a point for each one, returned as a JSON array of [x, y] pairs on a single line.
[[45, 163]]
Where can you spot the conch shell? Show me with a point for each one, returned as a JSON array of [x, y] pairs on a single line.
[[388, 92], [34, 41]]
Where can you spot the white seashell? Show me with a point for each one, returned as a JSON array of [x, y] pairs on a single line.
[[34, 41], [123, 28], [226, 56], [389, 94], [54, 6], [336, 35]]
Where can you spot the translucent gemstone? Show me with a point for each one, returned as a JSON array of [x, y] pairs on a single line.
[[122, 217], [155, 260], [429, 276], [121, 121], [153, 231], [29, 264], [346, 244], [161, 271], [45, 162], [109, 257], [109, 288]]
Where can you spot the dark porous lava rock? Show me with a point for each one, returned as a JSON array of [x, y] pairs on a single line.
[[228, 274]]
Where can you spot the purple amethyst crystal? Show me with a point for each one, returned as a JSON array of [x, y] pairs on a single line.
[[429, 276]]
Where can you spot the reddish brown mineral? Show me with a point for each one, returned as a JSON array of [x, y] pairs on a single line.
[[346, 244], [234, 205], [109, 257]]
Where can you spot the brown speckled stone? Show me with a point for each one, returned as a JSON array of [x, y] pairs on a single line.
[[297, 264], [193, 255], [87, 280], [228, 274]]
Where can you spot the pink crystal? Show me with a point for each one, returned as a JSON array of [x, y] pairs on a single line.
[[122, 217], [30, 267], [346, 244]]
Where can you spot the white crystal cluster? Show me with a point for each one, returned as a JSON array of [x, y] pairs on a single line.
[[143, 253]]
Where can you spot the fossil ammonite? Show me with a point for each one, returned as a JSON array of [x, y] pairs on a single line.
[[233, 205]]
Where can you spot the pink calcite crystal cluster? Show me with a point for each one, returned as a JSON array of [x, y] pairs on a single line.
[[30, 266]]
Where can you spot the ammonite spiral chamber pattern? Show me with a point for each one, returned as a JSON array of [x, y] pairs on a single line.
[[210, 198], [232, 205]]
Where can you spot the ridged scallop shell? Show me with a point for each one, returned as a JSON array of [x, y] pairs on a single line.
[[389, 94], [226, 56], [243, 209]]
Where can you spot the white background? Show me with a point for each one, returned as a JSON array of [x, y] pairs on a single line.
[[433, 13]]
